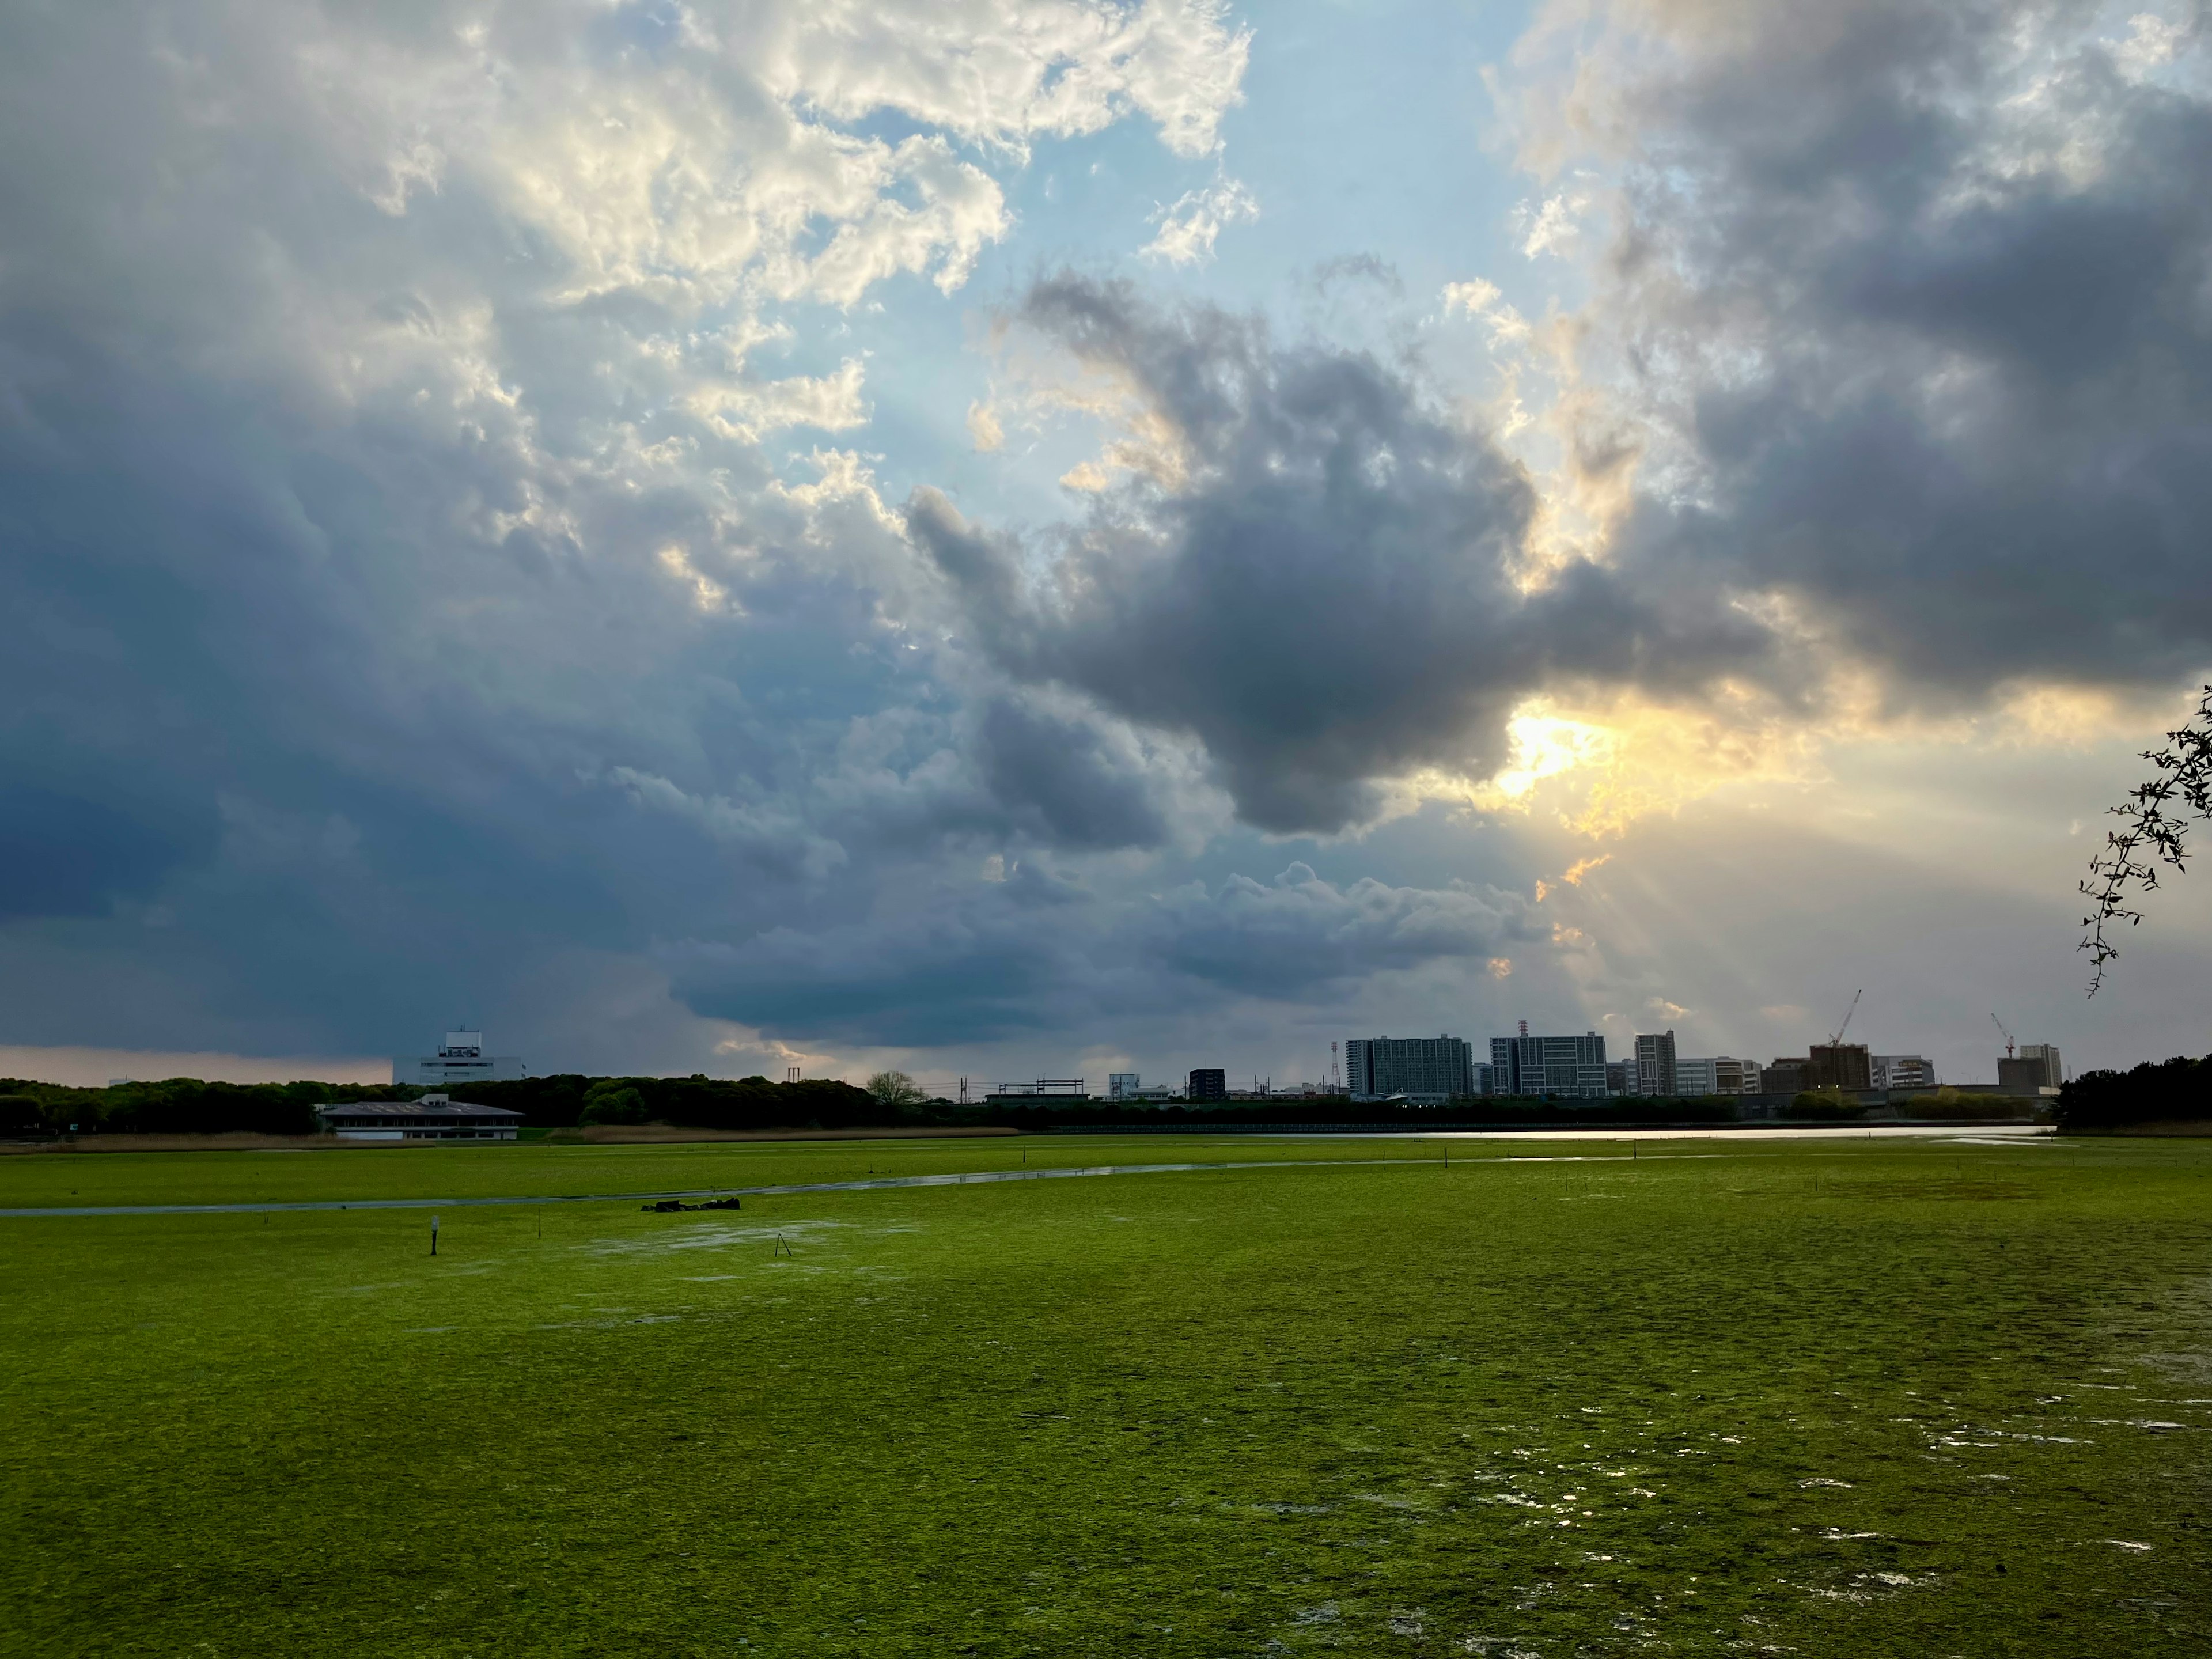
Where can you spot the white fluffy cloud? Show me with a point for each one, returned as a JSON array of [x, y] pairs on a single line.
[[1191, 228]]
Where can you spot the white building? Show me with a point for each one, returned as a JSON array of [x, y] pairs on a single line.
[[1716, 1074], [433, 1117], [1574, 1067], [1656, 1063], [1697, 1077], [1901, 1072], [461, 1062], [1125, 1085]]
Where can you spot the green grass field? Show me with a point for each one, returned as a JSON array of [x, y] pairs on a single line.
[[1825, 1398]]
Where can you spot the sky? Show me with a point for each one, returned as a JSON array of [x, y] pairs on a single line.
[[1018, 537]]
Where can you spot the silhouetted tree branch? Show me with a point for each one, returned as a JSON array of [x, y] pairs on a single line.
[[2156, 816]]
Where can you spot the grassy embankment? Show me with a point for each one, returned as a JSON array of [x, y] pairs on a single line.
[[1534, 1408]]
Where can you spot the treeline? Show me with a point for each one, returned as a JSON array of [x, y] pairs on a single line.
[[2177, 1091], [189, 1106], [175, 1106], [569, 1100]]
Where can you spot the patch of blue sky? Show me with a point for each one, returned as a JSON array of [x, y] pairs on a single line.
[[1365, 135]]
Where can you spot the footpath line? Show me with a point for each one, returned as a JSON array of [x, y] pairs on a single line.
[[874, 1184]]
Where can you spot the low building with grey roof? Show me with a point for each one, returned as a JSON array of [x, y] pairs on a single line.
[[433, 1117]]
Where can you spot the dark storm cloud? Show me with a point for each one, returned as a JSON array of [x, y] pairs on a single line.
[[1063, 782], [1324, 593], [65, 855], [1037, 951], [388, 626], [1926, 293]]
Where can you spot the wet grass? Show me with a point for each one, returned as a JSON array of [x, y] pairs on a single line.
[[1827, 1399], [62, 1180]]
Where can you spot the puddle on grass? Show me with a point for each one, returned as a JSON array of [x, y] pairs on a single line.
[[1873, 1586], [709, 1237]]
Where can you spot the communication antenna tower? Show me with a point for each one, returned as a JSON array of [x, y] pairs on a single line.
[[1524, 1028], [963, 1091], [1335, 1077]]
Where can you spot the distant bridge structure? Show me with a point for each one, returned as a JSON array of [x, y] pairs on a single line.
[[1043, 1088]]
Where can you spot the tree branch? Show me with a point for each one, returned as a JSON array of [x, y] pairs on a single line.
[[2154, 821]]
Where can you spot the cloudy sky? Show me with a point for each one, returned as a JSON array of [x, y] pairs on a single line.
[[1004, 537]]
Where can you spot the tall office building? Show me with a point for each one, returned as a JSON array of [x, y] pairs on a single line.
[[1573, 1066], [1654, 1064], [1421, 1069]]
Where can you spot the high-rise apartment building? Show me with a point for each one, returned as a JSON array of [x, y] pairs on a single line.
[[1421, 1069], [1654, 1064], [1208, 1083], [2036, 1069], [1573, 1066], [1838, 1065]]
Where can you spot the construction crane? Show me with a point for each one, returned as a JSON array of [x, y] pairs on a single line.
[[2007, 1035], [1848, 1012]]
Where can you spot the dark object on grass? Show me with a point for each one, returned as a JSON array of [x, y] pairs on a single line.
[[677, 1206]]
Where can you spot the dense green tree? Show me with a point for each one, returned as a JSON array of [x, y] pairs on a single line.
[[21, 1114], [613, 1102], [2177, 1091], [895, 1089], [1826, 1106]]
